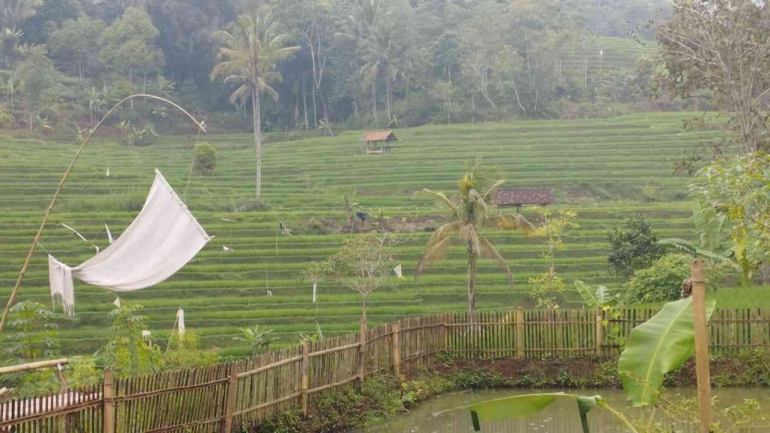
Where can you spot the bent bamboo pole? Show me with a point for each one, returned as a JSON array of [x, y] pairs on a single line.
[[47, 214], [33, 366]]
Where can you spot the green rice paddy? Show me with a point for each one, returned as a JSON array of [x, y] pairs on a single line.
[[605, 170]]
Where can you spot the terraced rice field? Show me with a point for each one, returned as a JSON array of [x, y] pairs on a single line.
[[604, 170]]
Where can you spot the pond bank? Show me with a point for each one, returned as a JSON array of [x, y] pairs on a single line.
[[560, 417], [357, 407]]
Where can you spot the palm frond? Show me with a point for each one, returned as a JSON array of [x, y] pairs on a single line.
[[512, 221], [434, 253], [443, 200], [490, 252]]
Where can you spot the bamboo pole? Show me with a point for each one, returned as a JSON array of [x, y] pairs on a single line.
[[33, 366], [232, 388], [519, 333], [701, 344], [599, 331], [305, 381], [395, 350], [67, 172], [108, 393]]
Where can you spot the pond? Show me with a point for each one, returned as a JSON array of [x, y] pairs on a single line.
[[559, 417]]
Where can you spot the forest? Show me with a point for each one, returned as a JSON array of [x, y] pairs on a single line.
[[329, 63]]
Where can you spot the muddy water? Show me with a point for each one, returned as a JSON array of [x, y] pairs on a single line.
[[560, 417]]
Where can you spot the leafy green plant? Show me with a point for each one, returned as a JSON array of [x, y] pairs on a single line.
[[127, 352], [205, 159], [633, 248], [32, 333], [660, 282], [258, 338]]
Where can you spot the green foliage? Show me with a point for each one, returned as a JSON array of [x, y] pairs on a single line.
[[660, 282], [737, 189], [127, 352], [258, 338], [75, 46], [140, 137], [128, 44], [633, 248], [656, 347], [546, 286], [32, 334], [185, 352], [205, 159]]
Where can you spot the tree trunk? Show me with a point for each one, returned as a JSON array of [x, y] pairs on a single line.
[[304, 104], [449, 111], [363, 307], [256, 119], [374, 99], [387, 97], [315, 111], [472, 259]]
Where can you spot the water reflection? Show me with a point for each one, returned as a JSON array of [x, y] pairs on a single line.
[[560, 417]]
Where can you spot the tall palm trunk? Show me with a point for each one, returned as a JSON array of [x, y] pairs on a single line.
[[256, 118], [374, 99], [387, 97], [472, 259]]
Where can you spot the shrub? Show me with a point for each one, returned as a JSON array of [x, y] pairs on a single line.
[[633, 248], [660, 282], [205, 159]]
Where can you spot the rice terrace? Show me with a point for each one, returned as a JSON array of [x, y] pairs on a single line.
[[348, 216]]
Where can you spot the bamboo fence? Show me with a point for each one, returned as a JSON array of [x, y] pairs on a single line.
[[227, 397]]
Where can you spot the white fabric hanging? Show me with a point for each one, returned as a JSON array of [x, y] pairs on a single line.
[[159, 242]]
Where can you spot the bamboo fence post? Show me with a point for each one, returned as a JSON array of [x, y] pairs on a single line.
[[108, 393], [701, 344], [305, 362], [232, 388], [395, 350], [599, 331], [519, 333], [362, 350]]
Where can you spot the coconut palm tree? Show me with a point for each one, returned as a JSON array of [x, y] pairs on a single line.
[[470, 211], [249, 54]]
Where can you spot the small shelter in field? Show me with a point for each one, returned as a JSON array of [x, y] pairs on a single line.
[[522, 197], [378, 141]]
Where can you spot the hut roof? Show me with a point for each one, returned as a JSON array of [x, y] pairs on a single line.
[[379, 136], [518, 197]]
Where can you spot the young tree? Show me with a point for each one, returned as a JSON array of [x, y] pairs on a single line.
[[547, 284], [32, 335], [250, 53], [363, 264], [76, 45], [37, 77], [127, 353], [258, 338], [633, 248], [722, 46], [128, 45], [470, 211]]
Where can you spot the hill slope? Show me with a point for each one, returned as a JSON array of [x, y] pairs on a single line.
[[605, 170]]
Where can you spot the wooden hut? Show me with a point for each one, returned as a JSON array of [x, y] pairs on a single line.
[[523, 197], [378, 141]]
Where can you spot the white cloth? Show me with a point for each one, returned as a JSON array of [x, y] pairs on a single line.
[[159, 242]]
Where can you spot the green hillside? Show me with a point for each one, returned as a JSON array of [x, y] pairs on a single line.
[[604, 170]]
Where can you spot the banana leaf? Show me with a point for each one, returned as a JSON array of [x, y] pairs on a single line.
[[660, 345], [524, 405]]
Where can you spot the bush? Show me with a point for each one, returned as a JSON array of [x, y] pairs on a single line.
[[660, 282], [205, 159], [633, 248]]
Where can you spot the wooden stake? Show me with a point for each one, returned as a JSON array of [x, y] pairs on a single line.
[[395, 350], [520, 333], [108, 393], [599, 331], [232, 388], [67, 172], [701, 344], [305, 363], [362, 350]]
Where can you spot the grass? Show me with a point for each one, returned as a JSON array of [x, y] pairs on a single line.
[[605, 170]]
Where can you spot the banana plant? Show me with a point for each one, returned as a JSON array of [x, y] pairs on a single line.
[[524, 405], [660, 345]]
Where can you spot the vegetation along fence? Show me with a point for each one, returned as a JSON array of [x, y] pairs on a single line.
[[225, 397]]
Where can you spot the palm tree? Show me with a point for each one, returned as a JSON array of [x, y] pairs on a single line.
[[249, 54], [470, 211]]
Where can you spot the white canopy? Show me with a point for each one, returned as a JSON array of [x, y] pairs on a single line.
[[159, 242]]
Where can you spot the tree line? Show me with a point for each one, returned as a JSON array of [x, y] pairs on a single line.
[[357, 62]]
